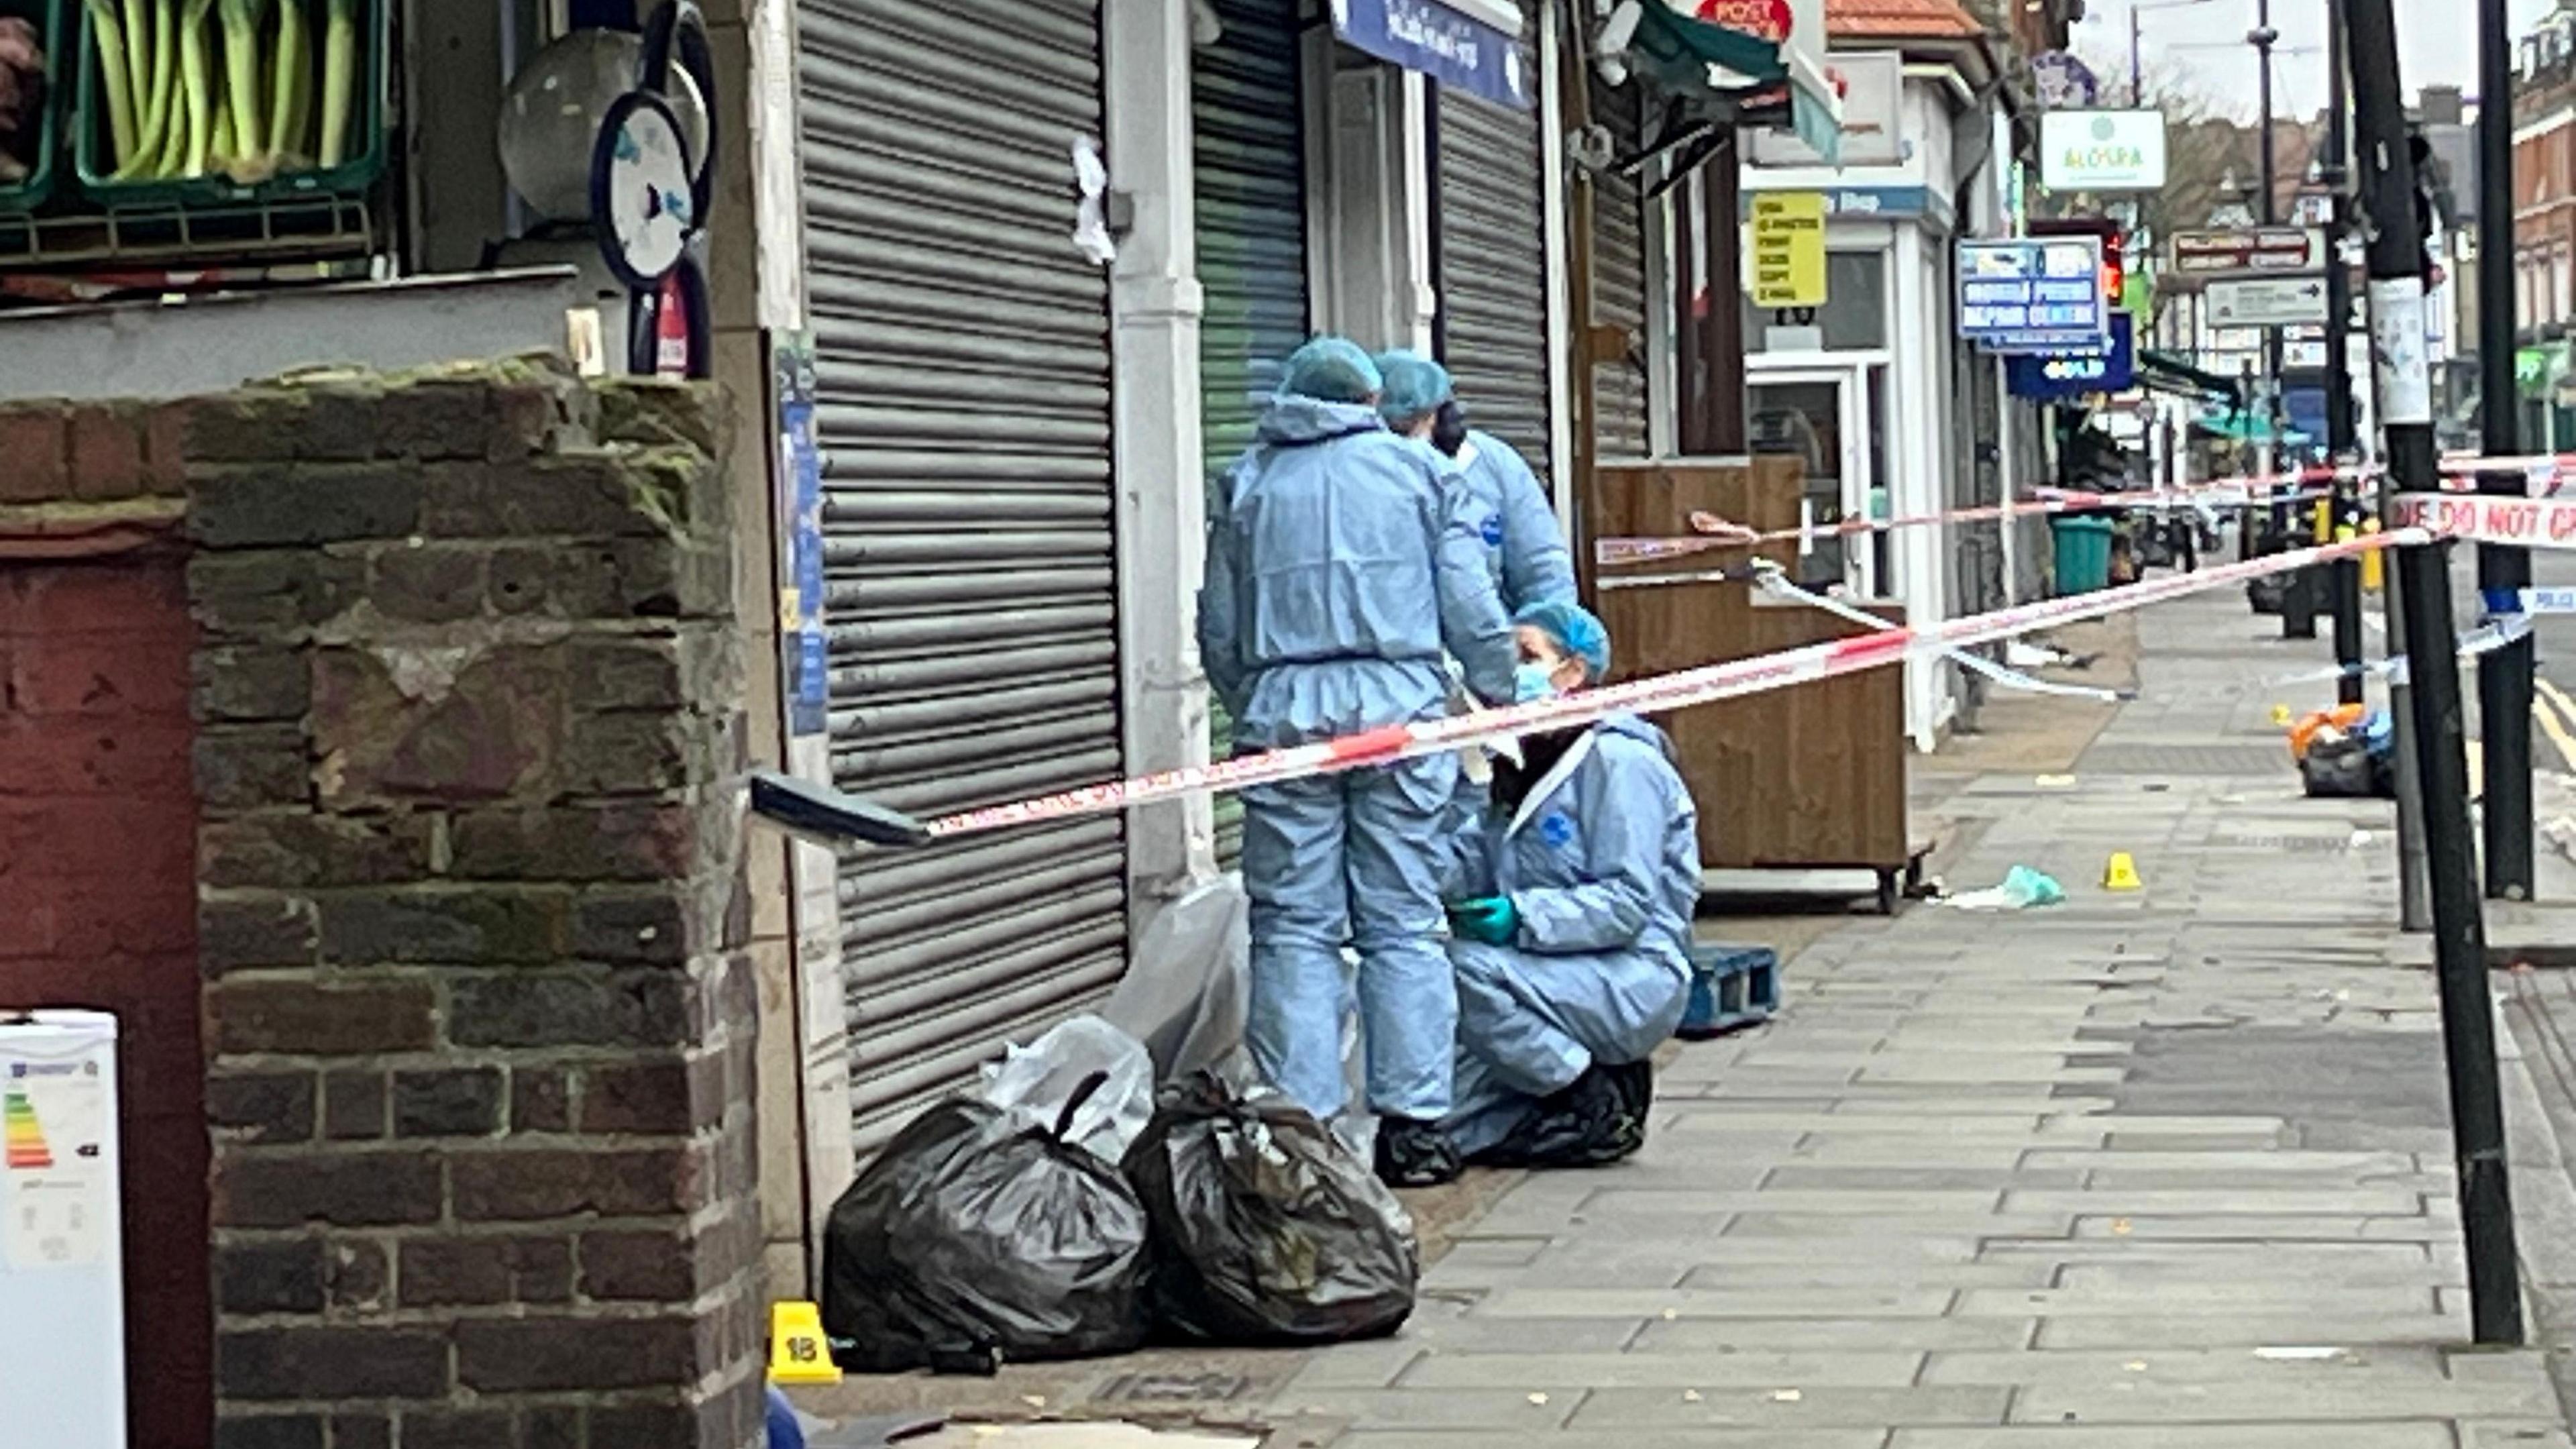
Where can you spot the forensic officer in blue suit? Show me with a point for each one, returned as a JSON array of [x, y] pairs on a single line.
[[1524, 547], [1342, 561], [1573, 957]]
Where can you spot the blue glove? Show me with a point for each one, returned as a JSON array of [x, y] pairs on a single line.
[[1493, 920]]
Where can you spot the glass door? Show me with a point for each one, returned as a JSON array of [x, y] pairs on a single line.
[[1822, 417]]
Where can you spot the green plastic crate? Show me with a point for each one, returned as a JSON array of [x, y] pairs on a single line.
[[91, 144], [25, 196]]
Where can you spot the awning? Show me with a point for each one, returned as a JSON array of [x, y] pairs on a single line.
[[2165, 372], [1468, 45], [1738, 62]]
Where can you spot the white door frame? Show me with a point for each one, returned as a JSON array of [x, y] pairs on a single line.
[[1848, 372]]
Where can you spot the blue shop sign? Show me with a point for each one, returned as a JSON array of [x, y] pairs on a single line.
[[2049, 376], [2033, 294], [1447, 45]]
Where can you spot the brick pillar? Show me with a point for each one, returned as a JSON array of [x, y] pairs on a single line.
[[479, 1033]]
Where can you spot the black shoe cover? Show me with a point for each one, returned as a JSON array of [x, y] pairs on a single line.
[[1414, 1154]]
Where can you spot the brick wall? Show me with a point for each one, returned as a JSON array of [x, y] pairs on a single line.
[[479, 1030], [97, 876]]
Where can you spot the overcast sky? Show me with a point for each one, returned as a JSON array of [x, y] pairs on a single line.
[[2439, 45]]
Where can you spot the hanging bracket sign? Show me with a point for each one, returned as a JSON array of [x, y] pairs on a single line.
[[2033, 294]]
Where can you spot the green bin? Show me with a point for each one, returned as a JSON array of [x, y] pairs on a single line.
[[2083, 554]]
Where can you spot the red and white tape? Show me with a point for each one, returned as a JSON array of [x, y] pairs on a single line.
[[1720, 533], [1705, 685], [2533, 522], [2545, 475]]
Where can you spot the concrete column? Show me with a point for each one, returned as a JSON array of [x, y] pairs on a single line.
[[1155, 305]]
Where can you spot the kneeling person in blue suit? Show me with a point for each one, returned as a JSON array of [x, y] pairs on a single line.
[[1573, 962]]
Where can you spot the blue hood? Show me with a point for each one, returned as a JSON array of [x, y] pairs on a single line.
[[1294, 421], [1635, 727]]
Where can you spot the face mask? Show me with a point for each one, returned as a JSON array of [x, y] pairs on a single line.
[[1530, 682]]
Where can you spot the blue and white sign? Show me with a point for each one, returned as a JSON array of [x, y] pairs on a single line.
[[2053, 375], [2033, 294], [1444, 42]]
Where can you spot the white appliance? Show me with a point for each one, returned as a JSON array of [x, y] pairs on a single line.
[[62, 1290]]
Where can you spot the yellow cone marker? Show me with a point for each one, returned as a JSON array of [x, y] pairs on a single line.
[[2121, 874], [798, 1352], [2281, 715]]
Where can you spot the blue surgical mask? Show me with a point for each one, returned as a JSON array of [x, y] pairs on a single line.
[[1530, 682]]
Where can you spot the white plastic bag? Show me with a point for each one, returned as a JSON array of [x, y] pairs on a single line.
[[1033, 1083], [1186, 984]]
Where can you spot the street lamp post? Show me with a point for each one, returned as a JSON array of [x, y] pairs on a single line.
[[2137, 63]]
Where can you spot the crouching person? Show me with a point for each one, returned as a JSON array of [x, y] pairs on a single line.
[[1574, 964]]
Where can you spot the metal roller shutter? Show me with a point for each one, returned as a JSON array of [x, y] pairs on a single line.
[[1493, 267], [1619, 281], [964, 406], [1251, 214]]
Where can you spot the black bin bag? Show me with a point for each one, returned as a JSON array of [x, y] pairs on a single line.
[[1265, 1231], [974, 1239]]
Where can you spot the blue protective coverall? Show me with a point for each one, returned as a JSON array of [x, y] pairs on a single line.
[[1340, 565], [1601, 859], [1526, 554], [1524, 547]]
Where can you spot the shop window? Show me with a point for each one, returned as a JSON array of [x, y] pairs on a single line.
[[1853, 319]]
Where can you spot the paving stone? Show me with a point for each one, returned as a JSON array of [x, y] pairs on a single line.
[[1887, 1205], [1793, 1177], [1730, 1275], [2145, 1331], [2425, 1228], [1449, 1333], [2247, 1202], [2271, 1436], [1717, 1335], [2276, 1297], [1478, 1409], [2303, 1401], [1709, 1303], [1788, 1406], [2378, 1363], [2513, 1434], [1372, 1365], [1679, 1370], [2115, 1168], [1860, 1227]]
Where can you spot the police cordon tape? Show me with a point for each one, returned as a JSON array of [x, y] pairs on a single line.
[[1718, 533], [2531, 522], [2544, 475], [1682, 689]]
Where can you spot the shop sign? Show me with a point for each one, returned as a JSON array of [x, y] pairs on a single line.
[[1873, 90], [1788, 249], [2063, 82], [1769, 20], [2248, 249], [1445, 41], [2102, 150], [2033, 294], [2050, 375]]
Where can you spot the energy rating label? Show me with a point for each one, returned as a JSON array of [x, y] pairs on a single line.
[[57, 1178], [22, 1137]]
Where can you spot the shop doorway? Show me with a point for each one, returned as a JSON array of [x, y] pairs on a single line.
[[1832, 418]]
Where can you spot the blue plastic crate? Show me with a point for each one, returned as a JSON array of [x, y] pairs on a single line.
[[1731, 988]]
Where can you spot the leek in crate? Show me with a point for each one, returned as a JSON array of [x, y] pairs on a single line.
[[230, 92]]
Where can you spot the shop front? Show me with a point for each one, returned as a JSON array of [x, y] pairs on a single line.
[[1880, 438]]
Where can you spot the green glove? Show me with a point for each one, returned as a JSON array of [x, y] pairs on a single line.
[[1493, 920]]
